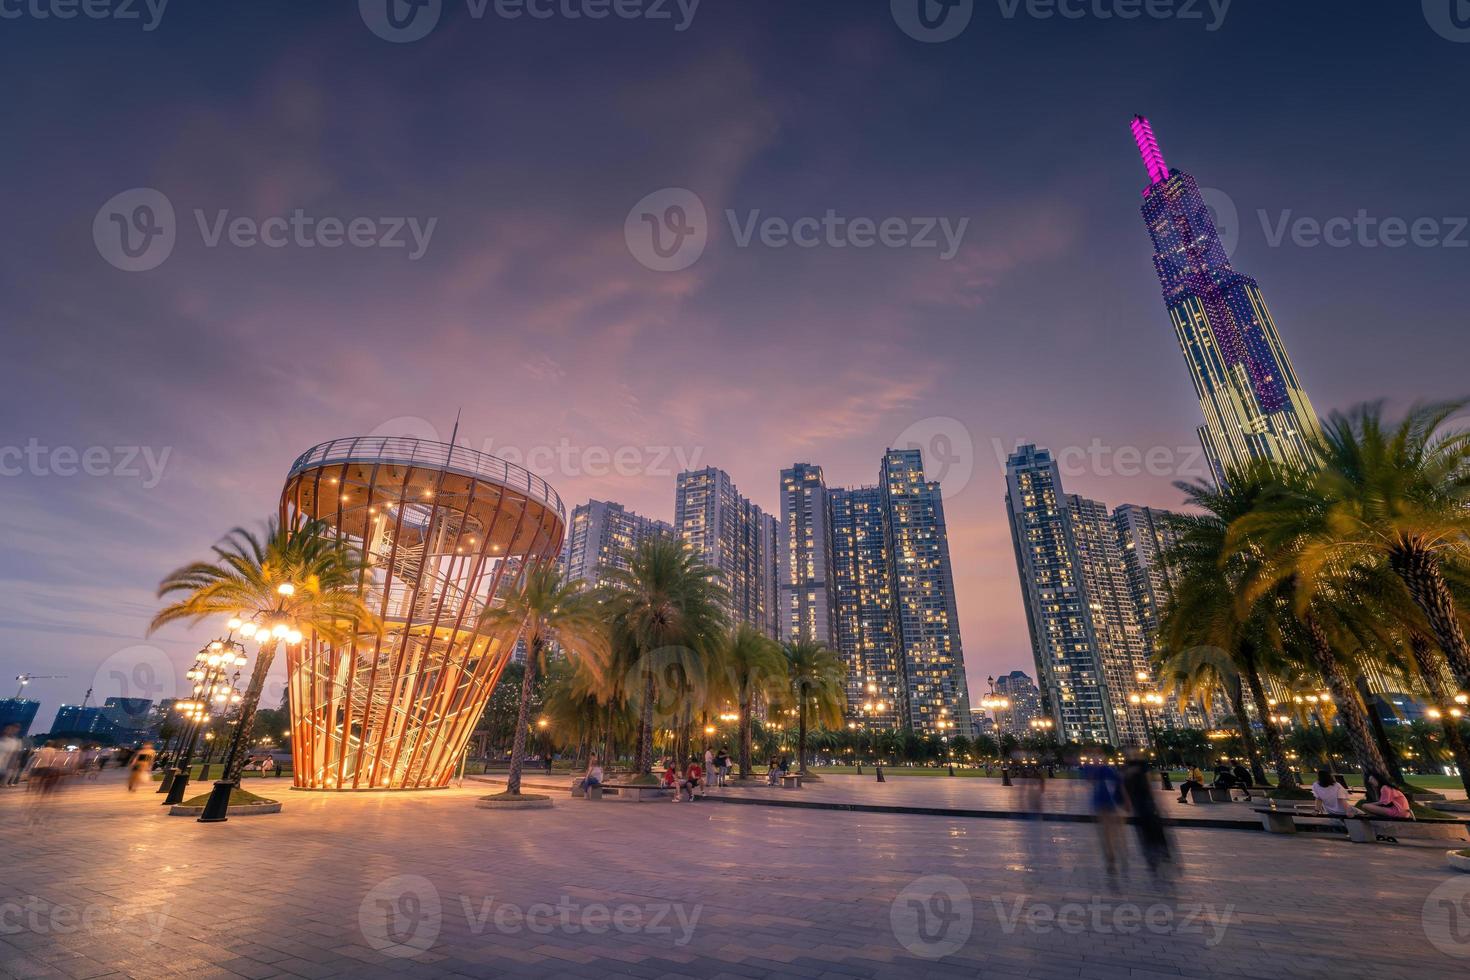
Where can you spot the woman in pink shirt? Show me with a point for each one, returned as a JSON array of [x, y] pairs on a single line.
[[1391, 802]]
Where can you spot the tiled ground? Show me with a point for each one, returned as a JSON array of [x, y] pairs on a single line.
[[101, 883]]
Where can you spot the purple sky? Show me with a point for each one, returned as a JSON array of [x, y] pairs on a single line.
[[527, 142]]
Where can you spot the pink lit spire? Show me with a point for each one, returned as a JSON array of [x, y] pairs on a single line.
[[1148, 147]]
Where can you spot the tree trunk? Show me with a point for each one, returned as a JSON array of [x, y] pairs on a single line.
[[607, 738], [245, 725], [1275, 744], [1247, 736], [1349, 708], [523, 719], [1419, 571], [1434, 679], [644, 762], [801, 737], [746, 737], [1395, 770]]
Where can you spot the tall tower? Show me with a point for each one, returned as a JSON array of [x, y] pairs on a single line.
[[1085, 636], [734, 537], [600, 536], [1253, 403], [805, 567], [938, 697]]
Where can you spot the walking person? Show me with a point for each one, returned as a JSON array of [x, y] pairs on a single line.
[[709, 768], [10, 755], [1107, 801], [140, 766], [1148, 824]]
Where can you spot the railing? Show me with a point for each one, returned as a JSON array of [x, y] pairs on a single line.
[[433, 455]]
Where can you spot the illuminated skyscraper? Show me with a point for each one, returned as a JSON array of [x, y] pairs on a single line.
[[734, 536], [896, 622], [938, 698], [599, 536], [1252, 400], [1085, 635], [805, 565], [863, 592]]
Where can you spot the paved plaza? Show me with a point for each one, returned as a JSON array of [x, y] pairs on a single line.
[[103, 883]]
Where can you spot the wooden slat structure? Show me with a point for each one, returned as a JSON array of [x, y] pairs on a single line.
[[446, 530]]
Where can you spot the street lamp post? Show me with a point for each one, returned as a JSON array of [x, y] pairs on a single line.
[[274, 628], [209, 674], [1043, 727], [1148, 700], [996, 703]]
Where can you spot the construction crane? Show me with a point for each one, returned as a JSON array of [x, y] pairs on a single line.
[[27, 678]]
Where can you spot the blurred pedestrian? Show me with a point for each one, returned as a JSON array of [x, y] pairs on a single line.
[[10, 754], [1106, 797], [1148, 824], [141, 765]]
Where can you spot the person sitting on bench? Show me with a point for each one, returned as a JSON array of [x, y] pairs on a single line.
[[1332, 796], [1243, 780], [1390, 801], [593, 778], [1195, 780]]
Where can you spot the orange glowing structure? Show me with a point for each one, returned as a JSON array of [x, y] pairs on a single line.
[[446, 530]]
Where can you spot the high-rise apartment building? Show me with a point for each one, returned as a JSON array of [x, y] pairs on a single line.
[[733, 536], [893, 587], [1024, 702], [867, 630], [1085, 636], [1145, 534], [938, 697], [600, 535], [808, 607], [1122, 649], [1253, 402]]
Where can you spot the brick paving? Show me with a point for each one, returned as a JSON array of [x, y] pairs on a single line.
[[101, 884]]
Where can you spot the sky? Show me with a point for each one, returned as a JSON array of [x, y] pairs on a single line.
[[234, 231]]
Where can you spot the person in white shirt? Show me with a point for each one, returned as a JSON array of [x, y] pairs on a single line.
[[1332, 797]]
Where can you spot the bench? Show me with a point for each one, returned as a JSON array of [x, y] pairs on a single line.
[[1367, 829], [1282, 818], [630, 793], [1361, 828], [791, 781]]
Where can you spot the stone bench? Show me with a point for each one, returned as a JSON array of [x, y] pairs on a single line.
[[791, 781], [1208, 794], [1361, 827], [635, 793], [1367, 829]]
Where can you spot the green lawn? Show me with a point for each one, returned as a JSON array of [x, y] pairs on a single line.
[[216, 770]]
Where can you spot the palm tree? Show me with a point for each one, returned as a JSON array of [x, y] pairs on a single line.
[[665, 611], [547, 611], [1284, 563], [751, 668], [1203, 615], [285, 582], [814, 676], [1395, 494]]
